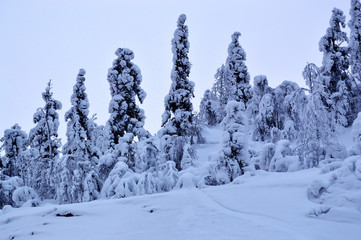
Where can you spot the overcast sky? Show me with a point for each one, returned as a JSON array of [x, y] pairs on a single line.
[[42, 40]]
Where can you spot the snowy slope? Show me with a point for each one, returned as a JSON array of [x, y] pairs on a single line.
[[268, 206], [265, 206]]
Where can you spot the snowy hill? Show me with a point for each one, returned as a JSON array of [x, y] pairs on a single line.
[[267, 206], [261, 205]]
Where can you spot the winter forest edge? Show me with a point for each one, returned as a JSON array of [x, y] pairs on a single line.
[[282, 129]]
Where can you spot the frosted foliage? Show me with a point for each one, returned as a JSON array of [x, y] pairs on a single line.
[[310, 74], [287, 98], [122, 182], [44, 140], [14, 144], [289, 132], [356, 132], [208, 109], [75, 181], [265, 119], [237, 73], [177, 118], [92, 187], [355, 38], [25, 194], [172, 149], [79, 126], [124, 151], [260, 88], [233, 155], [188, 158], [100, 139], [267, 153], [343, 187], [222, 88], [168, 176], [42, 176], [148, 155], [283, 161], [7, 188], [27, 158], [44, 136], [125, 115], [335, 70]]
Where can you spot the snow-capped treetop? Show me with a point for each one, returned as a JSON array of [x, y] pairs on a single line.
[[178, 101], [237, 72], [44, 136], [355, 37], [310, 74], [181, 20], [125, 78]]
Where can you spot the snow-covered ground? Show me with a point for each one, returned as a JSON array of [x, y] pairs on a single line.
[[267, 205]]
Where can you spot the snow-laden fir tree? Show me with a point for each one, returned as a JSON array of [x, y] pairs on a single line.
[[208, 109], [355, 38], [316, 134], [334, 69], [79, 126], [14, 144], [236, 72], [233, 156], [223, 91], [294, 109], [177, 118], [355, 55], [75, 170], [125, 78], [281, 93], [44, 136], [260, 88], [44, 139], [265, 120]]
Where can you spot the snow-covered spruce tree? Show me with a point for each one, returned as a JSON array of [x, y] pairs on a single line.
[[294, 107], [355, 55], [178, 119], [80, 155], [208, 109], [222, 89], [14, 144], [233, 156], [125, 78], [44, 139], [79, 126], [236, 72], [265, 120], [260, 88], [355, 38], [316, 134], [281, 93], [334, 69]]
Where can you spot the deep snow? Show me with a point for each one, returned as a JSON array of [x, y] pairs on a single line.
[[265, 205]]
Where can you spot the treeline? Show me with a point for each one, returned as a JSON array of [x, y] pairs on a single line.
[[297, 127]]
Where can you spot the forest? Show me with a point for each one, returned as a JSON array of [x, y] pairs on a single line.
[[283, 129]]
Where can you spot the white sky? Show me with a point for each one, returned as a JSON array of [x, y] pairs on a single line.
[[42, 40]]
